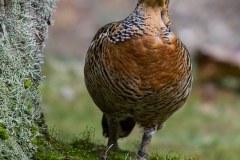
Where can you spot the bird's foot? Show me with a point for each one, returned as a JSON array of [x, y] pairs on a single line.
[[112, 148], [141, 155]]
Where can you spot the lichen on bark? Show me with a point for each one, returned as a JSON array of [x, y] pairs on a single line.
[[23, 30]]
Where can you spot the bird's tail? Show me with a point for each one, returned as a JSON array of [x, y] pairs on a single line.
[[125, 126]]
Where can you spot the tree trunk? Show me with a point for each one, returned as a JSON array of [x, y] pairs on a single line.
[[23, 31]]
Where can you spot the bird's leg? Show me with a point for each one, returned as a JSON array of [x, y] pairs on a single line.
[[113, 133], [146, 139]]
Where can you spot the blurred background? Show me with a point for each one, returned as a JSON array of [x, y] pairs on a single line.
[[209, 123]]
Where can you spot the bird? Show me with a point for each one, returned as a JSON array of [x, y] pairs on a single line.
[[137, 71]]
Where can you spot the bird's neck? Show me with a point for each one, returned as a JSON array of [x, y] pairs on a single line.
[[154, 10], [150, 10], [145, 19]]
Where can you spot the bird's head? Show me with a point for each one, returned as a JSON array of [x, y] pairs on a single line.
[[156, 3]]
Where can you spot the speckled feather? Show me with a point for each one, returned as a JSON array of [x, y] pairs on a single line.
[[138, 68]]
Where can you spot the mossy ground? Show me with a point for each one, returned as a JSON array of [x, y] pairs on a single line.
[[84, 149]]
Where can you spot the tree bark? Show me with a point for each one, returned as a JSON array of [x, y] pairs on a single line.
[[23, 31]]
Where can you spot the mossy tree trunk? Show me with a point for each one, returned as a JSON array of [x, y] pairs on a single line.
[[23, 30]]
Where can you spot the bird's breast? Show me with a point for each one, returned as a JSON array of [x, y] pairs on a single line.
[[140, 67]]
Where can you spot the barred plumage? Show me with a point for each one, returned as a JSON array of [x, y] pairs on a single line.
[[137, 70]]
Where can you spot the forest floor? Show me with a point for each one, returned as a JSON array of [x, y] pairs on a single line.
[[85, 149]]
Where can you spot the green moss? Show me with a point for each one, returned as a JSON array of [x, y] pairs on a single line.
[[172, 156], [77, 150], [3, 132], [83, 149], [27, 84], [29, 108], [35, 129]]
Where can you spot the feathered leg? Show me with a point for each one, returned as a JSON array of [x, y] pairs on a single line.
[[146, 139], [125, 127], [113, 125]]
